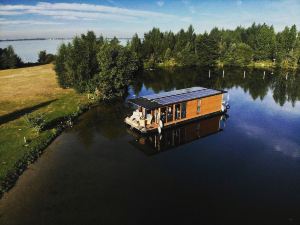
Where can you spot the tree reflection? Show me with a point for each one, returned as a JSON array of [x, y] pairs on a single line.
[[255, 82]]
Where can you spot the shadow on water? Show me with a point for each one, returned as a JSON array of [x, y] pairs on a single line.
[[175, 136], [17, 114]]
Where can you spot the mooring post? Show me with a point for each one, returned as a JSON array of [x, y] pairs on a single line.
[[244, 74], [223, 73], [208, 73], [263, 76], [286, 76]]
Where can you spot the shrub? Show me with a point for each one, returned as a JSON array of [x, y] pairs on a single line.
[[37, 121]]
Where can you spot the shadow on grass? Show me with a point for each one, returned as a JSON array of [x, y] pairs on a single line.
[[17, 114]]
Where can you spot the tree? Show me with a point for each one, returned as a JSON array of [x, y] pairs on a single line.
[[63, 75], [168, 54], [118, 65], [262, 39], [239, 55], [8, 58], [153, 45], [135, 46], [45, 58], [288, 47], [42, 57], [76, 64], [207, 50]]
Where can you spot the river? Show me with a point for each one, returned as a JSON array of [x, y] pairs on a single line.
[[239, 169]]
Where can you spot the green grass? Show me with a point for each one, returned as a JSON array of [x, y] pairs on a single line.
[[34, 91]]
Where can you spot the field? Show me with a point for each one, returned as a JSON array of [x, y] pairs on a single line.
[[28, 92]]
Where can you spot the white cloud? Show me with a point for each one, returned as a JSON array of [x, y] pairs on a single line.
[[160, 3], [88, 8], [79, 11], [32, 22]]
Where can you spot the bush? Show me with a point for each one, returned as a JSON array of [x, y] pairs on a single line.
[[37, 122]]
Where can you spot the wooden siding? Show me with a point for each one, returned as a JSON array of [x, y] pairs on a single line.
[[208, 105]]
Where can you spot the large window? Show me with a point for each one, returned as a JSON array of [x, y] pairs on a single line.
[[183, 110]]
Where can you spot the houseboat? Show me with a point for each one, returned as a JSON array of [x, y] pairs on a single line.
[[157, 111]]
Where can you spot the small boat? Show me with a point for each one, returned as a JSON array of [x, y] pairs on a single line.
[[156, 111]]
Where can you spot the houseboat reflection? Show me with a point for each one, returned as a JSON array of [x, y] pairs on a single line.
[[179, 135]]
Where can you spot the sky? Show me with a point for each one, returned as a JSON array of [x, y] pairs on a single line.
[[123, 18]]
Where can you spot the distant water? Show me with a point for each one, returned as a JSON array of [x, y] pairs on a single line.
[[29, 50]]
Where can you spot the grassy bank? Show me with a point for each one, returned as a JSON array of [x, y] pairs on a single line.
[[28, 93], [266, 64]]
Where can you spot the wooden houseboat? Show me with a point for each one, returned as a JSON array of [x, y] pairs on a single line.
[[156, 111]]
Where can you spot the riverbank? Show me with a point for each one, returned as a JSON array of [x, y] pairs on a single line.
[[34, 110], [267, 64]]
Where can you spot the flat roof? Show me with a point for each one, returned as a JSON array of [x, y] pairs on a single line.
[[167, 98]]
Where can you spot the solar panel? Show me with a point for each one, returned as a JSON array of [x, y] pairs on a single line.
[[171, 93], [186, 96], [168, 98]]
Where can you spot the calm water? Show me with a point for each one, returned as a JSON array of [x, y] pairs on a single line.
[[241, 170], [29, 50]]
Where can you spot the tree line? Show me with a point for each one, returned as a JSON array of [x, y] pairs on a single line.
[[10, 60], [257, 45], [98, 65]]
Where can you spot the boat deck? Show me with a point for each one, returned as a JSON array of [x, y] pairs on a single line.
[[144, 129]]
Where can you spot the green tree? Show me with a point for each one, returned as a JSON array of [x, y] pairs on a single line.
[[76, 63], [239, 55], [207, 50], [288, 47], [42, 57], [118, 65], [168, 54], [8, 58], [63, 75], [135, 46]]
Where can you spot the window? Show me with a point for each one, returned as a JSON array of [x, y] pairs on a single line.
[[183, 110], [177, 111], [170, 113], [163, 115], [198, 105]]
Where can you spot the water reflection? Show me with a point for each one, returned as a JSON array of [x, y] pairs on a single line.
[[285, 85], [217, 174], [178, 135]]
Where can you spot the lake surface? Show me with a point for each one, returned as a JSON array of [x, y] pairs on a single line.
[[28, 50], [239, 169]]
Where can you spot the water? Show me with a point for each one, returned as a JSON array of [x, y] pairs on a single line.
[[28, 50], [243, 170]]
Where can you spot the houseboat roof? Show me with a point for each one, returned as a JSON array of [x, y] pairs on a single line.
[[154, 101]]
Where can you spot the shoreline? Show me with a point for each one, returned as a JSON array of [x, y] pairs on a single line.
[[21, 165], [254, 65]]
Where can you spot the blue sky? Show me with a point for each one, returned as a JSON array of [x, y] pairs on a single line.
[[122, 18]]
